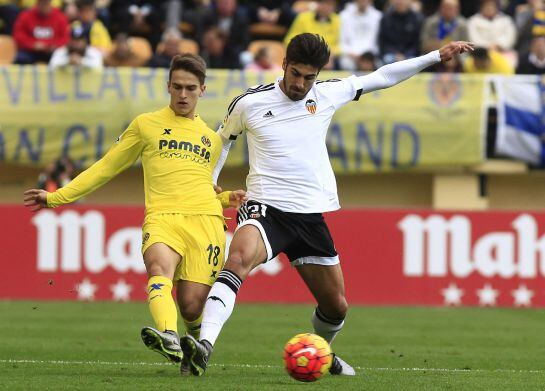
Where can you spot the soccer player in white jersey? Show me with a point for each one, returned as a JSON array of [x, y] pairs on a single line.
[[291, 183]]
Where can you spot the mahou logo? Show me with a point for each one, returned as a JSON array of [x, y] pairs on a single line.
[[71, 242], [437, 246]]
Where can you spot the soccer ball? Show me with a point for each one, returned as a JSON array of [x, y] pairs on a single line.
[[307, 357]]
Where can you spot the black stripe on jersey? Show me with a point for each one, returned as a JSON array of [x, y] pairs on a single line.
[[259, 87], [267, 87], [327, 81], [358, 94]]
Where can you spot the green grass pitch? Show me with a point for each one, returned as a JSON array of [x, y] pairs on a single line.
[[71, 346]]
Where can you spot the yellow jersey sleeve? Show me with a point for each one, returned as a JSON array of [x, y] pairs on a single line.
[[121, 156], [224, 199]]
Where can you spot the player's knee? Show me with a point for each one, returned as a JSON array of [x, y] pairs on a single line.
[[239, 262], [337, 309], [190, 310], [155, 267]]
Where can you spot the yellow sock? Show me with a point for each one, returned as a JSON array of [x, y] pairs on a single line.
[[161, 304], [193, 328]]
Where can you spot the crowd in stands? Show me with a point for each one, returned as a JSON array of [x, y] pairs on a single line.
[[252, 34]]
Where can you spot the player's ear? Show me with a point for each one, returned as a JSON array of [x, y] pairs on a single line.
[[203, 88], [284, 64]]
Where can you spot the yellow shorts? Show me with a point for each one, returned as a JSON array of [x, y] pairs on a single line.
[[199, 239]]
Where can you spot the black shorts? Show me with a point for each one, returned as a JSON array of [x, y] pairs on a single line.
[[303, 237]]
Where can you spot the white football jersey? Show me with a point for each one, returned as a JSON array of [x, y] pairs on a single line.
[[289, 164]]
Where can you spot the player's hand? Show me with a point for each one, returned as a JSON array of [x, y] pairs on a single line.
[[454, 48], [35, 199], [218, 189], [237, 198]]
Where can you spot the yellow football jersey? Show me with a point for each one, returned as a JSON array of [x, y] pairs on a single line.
[[178, 155]]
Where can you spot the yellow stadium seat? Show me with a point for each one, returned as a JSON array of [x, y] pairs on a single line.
[[186, 28], [8, 49], [189, 46], [185, 46], [278, 52], [304, 5], [267, 30], [141, 48]]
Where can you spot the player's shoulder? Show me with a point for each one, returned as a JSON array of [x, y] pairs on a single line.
[[251, 95], [203, 125], [151, 114], [328, 82], [336, 84]]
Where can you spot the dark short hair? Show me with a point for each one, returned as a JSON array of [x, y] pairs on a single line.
[[308, 49], [191, 63], [85, 4], [480, 53]]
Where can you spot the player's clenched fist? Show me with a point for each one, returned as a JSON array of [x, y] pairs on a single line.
[[453, 48], [237, 198], [35, 199]]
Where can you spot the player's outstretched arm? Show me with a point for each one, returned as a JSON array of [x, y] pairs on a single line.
[[121, 156], [35, 199], [394, 73], [452, 49]]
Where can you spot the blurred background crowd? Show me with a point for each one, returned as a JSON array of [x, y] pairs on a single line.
[[244, 34]]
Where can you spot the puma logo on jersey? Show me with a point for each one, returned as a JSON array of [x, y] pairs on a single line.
[[166, 131], [268, 114], [310, 349]]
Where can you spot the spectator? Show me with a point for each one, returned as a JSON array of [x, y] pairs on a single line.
[[483, 60], [444, 26], [138, 17], [263, 62], [271, 12], [122, 54], [360, 25], [214, 50], [77, 53], [8, 14], [492, 29], [168, 48], [534, 62], [232, 23], [56, 175], [530, 22], [32, 3], [323, 21], [399, 32], [366, 62], [95, 32], [39, 31]]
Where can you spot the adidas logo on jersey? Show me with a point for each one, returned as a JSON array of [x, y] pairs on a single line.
[[268, 114]]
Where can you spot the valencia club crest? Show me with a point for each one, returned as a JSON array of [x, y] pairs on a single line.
[[311, 106]]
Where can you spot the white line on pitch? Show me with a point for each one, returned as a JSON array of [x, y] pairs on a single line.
[[257, 366]]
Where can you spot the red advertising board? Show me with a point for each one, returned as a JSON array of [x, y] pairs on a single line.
[[389, 257]]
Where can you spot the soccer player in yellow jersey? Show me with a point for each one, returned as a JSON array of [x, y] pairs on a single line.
[[183, 237]]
